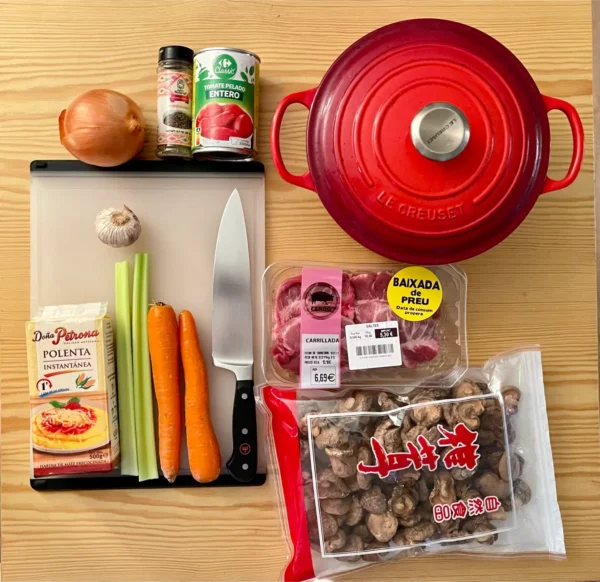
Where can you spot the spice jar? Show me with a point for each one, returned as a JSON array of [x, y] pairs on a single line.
[[174, 102]]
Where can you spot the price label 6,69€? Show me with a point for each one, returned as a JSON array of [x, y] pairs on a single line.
[[323, 376]]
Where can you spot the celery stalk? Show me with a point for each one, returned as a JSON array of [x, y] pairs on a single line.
[[129, 464], [142, 376]]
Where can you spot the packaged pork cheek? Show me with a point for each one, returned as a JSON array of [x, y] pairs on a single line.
[[328, 325]]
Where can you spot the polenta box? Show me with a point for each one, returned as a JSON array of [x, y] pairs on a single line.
[[72, 390]]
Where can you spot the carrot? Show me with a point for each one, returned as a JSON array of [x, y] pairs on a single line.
[[203, 447], [163, 339]]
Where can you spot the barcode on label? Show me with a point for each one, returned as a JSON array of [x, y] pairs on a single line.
[[375, 350]]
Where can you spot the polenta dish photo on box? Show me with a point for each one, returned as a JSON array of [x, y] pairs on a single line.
[[328, 325]]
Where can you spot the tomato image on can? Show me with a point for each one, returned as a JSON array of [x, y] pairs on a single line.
[[225, 107]]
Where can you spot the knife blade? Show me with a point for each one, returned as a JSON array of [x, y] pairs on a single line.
[[232, 340]]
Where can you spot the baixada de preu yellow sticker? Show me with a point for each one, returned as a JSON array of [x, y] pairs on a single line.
[[415, 293]]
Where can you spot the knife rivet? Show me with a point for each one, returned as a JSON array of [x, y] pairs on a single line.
[[244, 431], [244, 396], [245, 467]]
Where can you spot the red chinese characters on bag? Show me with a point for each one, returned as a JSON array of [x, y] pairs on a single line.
[[459, 509], [475, 506], [462, 453], [386, 463], [491, 503]]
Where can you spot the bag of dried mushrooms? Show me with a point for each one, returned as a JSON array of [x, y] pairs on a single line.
[[371, 474]]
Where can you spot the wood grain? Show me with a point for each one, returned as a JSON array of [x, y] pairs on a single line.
[[539, 286]]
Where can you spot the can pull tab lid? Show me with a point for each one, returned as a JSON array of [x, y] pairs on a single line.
[[440, 131]]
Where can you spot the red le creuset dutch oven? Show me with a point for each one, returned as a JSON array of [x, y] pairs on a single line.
[[428, 141]]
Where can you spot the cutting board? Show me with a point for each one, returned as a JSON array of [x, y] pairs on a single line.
[[179, 207]]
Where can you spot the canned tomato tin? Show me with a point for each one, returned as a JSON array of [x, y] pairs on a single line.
[[225, 108]]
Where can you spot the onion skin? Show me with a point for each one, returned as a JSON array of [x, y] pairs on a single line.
[[103, 128]]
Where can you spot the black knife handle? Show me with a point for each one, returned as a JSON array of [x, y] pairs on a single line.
[[243, 460]]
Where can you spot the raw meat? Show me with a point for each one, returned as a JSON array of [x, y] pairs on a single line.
[[364, 300], [288, 303]]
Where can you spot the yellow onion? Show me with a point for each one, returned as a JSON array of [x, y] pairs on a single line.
[[102, 127]]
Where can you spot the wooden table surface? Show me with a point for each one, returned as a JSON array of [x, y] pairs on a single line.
[[539, 286]]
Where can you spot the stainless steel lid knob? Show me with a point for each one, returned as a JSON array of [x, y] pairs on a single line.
[[440, 131]]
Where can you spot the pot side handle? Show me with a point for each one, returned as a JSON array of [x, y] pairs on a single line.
[[304, 98], [552, 103]]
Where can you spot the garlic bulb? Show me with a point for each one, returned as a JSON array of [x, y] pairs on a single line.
[[118, 228]]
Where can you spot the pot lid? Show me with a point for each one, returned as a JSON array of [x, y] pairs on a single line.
[[428, 139]]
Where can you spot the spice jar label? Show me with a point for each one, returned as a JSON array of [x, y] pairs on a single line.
[[415, 293], [174, 108]]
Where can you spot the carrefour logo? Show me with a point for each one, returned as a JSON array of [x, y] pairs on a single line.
[[225, 66]]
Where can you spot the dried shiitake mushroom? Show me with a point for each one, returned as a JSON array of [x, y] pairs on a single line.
[[360, 401], [449, 528], [466, 388], [388, 434], [511, 396], [485, 437], [336, 542], [362, 531], [330, 486], [443, 488], [435, 392], [330, 435], [427, 414], [388, 402], [364, 480], [467, 412], [374, 500], [353, 545], [480, 525], [516, 466], [416, 534], [403, 501], [329, 525], [411, 519], [383, 526], [363, 437], [521, 492], [336, 506], [470, 494], [352, 483], [355, 512], [461, 487], [343, 460], [303, 424], [490, 484], [462, 473], [430, 433]]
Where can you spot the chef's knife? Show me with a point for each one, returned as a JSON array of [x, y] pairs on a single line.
[[232, 333]]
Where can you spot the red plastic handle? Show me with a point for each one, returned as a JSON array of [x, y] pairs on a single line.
[[551, 103], [304, 98]]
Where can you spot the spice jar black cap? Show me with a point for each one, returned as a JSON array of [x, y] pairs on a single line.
[[178, 53]]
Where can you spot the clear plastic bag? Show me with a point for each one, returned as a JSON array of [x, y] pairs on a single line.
[[431, 348], [503, 403]]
